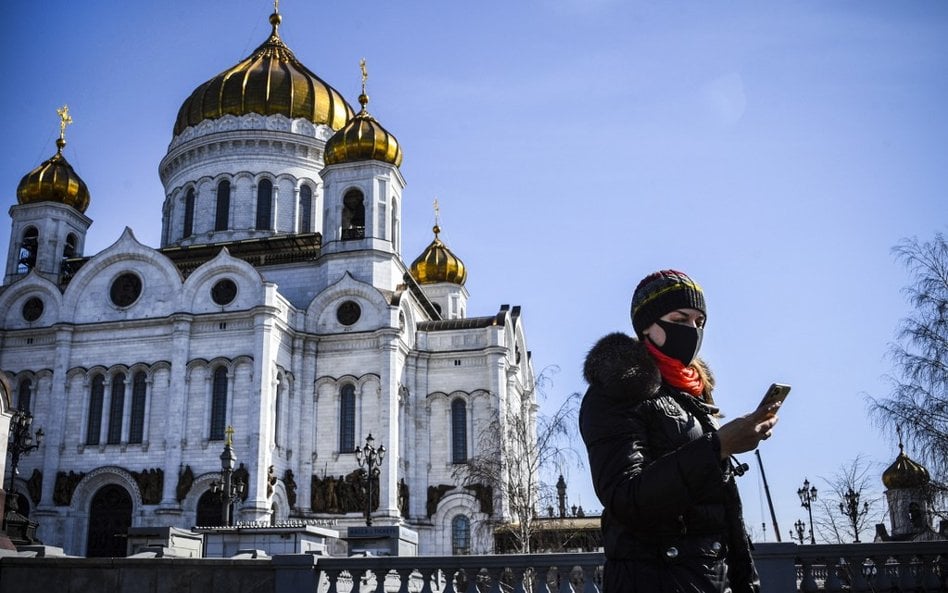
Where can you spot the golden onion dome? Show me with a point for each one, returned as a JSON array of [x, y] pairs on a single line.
[[363, 138], [55, 180], [438, 264], [905, 473], [270, 81]]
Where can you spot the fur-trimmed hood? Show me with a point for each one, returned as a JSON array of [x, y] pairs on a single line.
[[622, 367]]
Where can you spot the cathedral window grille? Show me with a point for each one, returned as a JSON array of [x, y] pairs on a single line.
[[353, 215], [221, 221], [460, 535], [264, 204], [28, 249], [94, 424], [24, 395], [458, 431], [306, 209], [218, 404], [188, 228], [137, 426], [116, 409], [347, 410]]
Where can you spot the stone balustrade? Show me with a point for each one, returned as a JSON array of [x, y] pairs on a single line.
[[785, 568]]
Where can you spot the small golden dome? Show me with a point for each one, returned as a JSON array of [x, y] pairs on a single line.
[[363, 138], [438, 264], [905, 473], [270, 81], [54, 181]]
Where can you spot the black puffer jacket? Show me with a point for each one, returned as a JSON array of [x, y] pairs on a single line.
[[671, 516]]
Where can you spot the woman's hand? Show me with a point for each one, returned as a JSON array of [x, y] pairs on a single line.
[[746, 432]]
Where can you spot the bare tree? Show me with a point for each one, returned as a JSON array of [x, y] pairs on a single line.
[[919, 399], [515, 451], [850, 508]]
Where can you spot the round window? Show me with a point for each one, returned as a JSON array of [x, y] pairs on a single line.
[[348, 312], [224, 291], [126, 289], [32, 309]]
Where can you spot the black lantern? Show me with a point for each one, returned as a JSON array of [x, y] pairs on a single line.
[[369, 459], [230, 490], [807, 495], [22, 441], [852, 510]]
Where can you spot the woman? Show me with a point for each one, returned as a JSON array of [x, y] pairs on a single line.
[[660, 464]]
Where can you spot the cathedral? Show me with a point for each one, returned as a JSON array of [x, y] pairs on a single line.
[[277, 312]]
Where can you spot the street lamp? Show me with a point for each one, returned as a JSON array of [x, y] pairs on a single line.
[[853, 512], [229, 489], [369, 459], [800, 528], [22, 442], [807, 495]]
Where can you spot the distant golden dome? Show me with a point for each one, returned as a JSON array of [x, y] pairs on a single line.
[[54, 181], [438, 264], [270, 81], [363, 139], [905, 473]]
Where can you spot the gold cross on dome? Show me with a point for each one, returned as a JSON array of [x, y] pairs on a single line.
[[437, 212], [64, 120], [230, 436], [276, 5], [365, 73]]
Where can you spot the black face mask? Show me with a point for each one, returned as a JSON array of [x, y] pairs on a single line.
[[682, 342]]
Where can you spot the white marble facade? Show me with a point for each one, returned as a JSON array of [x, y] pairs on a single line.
[[266, 344]]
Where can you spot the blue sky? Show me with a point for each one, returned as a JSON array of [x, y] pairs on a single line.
[[773, 151]]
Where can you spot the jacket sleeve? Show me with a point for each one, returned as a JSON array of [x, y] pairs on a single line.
[[633, 485], [742, 574]]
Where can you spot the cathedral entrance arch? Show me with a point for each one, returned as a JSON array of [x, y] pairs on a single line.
[[210, 511], [110, 516]]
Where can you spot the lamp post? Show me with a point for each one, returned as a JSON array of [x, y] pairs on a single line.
[[853, 512], [807, 495], [22, 442], [369, 459], [230, 490], [800, 528]]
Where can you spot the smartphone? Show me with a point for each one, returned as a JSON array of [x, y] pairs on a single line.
[[777, 393]]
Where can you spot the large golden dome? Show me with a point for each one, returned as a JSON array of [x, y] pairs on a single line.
[[54, 181], [905, 473], [362, 139], [270, 81], [438, 264]]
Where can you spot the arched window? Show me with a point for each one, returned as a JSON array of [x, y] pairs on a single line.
[[347, 409], [136, 430], [223, 206], [264, 204], [460, 535], [94, 424], [116, 409], [28, 248], [306, 209], [24, 395], [218, 404], [458, 431], [395, 237], [69, 248], [188, 228], [353, 215], [277, 412], [209, 512]]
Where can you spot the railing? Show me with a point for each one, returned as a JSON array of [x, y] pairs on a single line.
[[528, 573], [895, 566], [919, 567]]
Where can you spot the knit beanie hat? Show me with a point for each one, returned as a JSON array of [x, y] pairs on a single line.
[[661, 292]]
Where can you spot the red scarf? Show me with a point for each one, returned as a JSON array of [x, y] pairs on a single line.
[[679, 376]]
